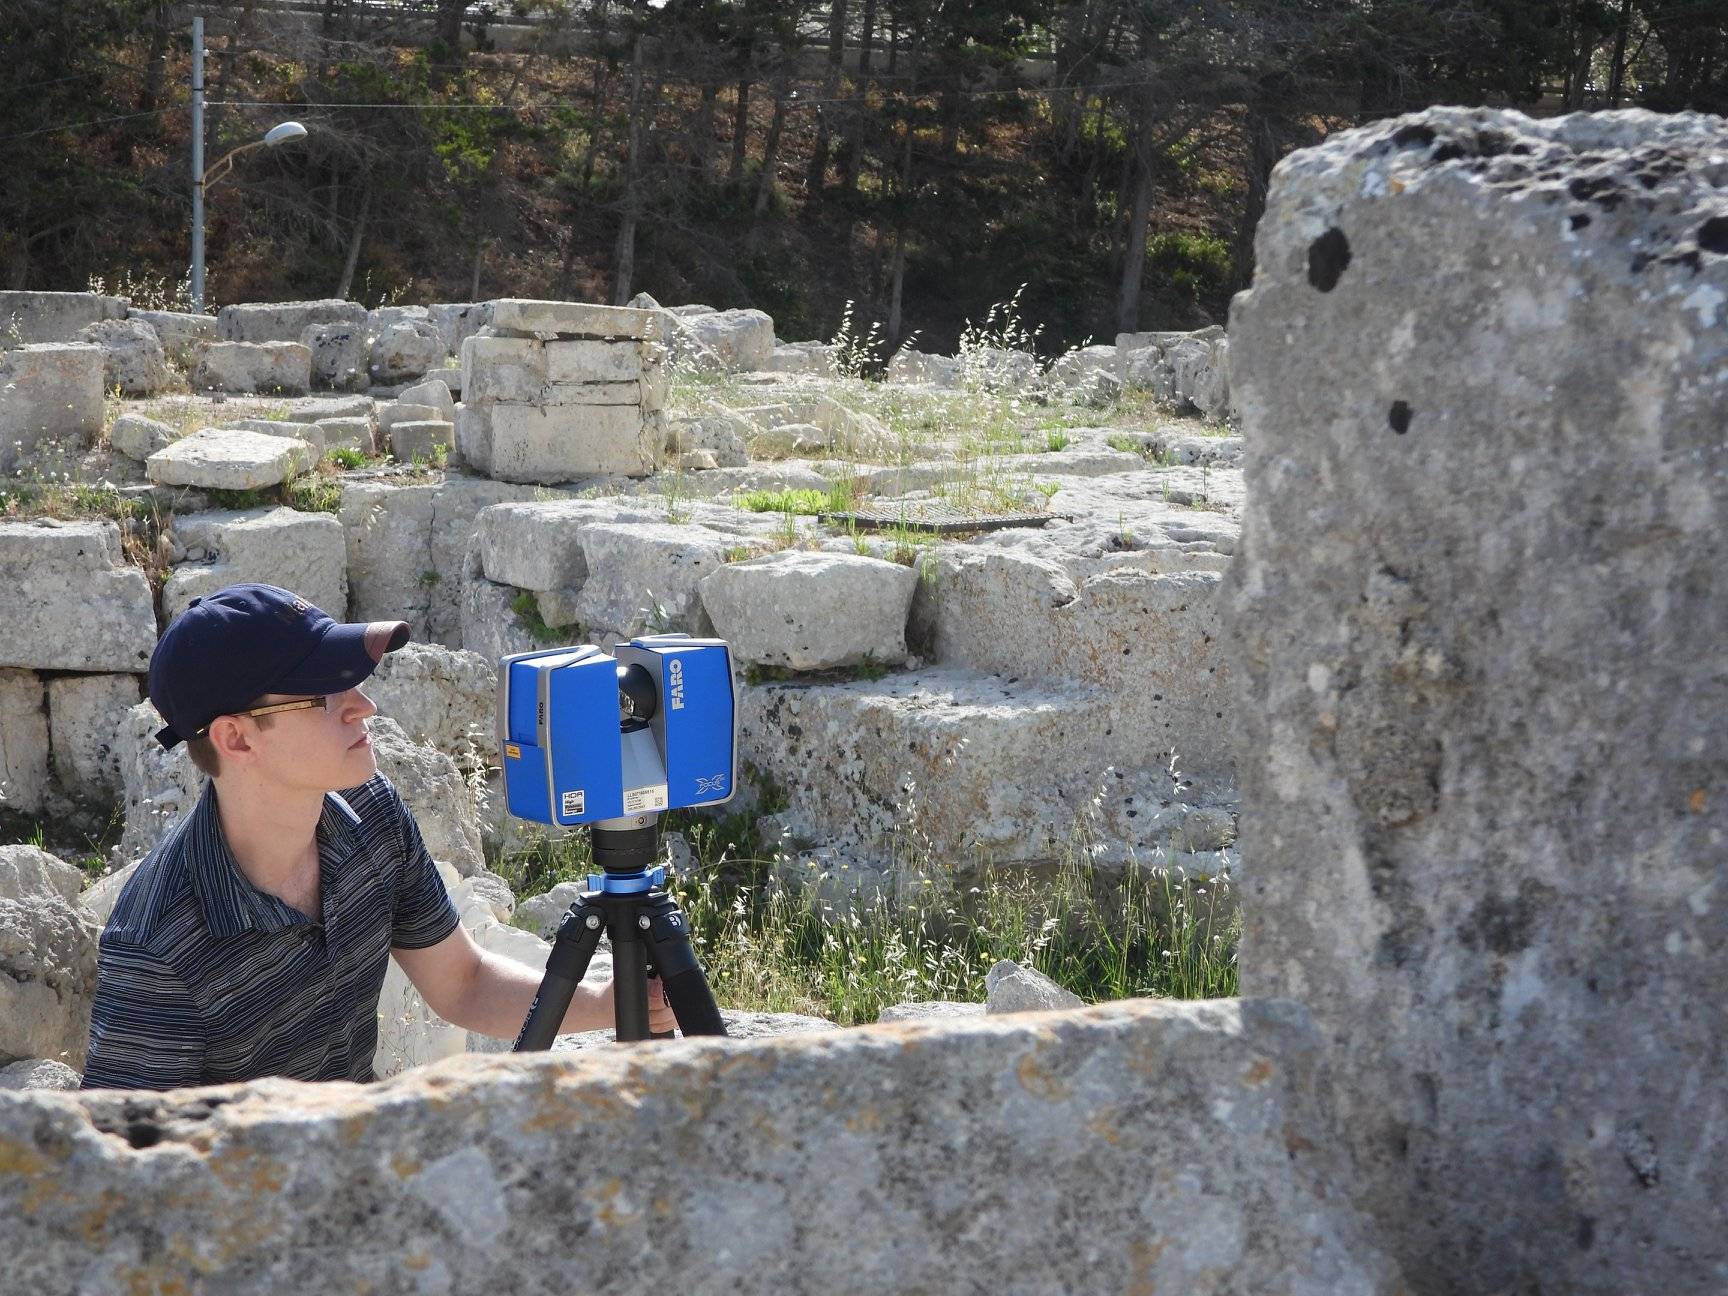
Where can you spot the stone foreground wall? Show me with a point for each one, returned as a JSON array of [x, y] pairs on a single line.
[[1480, 615], [1138, 1147]]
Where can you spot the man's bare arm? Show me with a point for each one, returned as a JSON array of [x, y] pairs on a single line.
[[480, 991]]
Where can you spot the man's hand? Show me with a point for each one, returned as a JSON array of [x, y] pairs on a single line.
[[660, 1018]]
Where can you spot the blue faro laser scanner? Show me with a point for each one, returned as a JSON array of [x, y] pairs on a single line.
[[611, 740]]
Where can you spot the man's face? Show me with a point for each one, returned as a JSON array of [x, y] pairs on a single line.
[[320, 749]]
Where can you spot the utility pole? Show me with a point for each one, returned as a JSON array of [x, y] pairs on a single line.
[[198, 164]]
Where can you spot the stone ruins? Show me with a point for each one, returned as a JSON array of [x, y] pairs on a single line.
[[1409, 617]]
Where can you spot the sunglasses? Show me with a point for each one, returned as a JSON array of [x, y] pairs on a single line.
[[304, 704]]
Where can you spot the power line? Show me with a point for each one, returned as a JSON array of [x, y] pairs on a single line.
[[94, 121]]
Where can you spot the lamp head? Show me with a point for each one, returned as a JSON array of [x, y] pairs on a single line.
[[290, 130]]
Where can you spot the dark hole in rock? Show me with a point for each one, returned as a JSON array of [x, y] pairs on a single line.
[[1713, 235], [1490, 143], [142, 1134], [1416, 134], [1447, 152], [1399, 417], [1579, 221], [1328, 258]]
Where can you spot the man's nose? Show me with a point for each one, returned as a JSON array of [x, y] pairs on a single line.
[[357, 706]]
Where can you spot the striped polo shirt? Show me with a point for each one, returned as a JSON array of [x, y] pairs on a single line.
[[204, 979]]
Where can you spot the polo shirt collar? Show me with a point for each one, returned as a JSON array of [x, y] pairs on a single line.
[[231, 904]]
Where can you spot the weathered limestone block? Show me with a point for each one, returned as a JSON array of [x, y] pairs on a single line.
[[538, 545], [340, 354], [718, 430], [86, 716], [1167, 1145], [311, 433], [230, 459], [27, 871], [925, 754], [1478, 623], [431, 394], [406, 545], [319, 409], [48, 394], [180, 332], [458, 321], [420, 440], [450, 376], [811, 611], [347, 434], [38, 1073], [909, 366], [549, 319], [742, 339], [390, 413], [502, 369], [303, 552], [47, 979], [132, 356], [442, 697], [283, 368], [70, 603], [1011, 988], [490, 627], [285, 321], [1149, 639], [930, 1011], [32, 317], [405, 349], [436, 793], [24, 782], [138, 437], [590, 361], [813, 358], [535, 443], [159, 787], [635, 568]]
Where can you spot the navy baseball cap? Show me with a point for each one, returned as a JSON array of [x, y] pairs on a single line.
[[231, 647]]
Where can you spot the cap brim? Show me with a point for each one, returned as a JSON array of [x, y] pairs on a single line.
[[346, 656]]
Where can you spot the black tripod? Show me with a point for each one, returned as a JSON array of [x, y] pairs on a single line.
[[628, 902]]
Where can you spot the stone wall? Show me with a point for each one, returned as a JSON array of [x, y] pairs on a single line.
[[1134, 1147], [1479, 620]]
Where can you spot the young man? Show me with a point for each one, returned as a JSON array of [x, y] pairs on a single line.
[[254, 939]]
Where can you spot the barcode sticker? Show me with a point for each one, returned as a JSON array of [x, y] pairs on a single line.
[[643, 799], [575, 803]]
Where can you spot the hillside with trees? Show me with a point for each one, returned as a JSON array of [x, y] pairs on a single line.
[[921, 158]]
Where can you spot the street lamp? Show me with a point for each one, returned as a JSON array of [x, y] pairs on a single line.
[[203, 178]]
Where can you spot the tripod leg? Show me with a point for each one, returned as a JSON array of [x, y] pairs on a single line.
[[572, 950], [686, 987], [629, 977]]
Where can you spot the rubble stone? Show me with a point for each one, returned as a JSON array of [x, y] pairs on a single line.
[[24, 783], [133, 360], [47, 979], [404, 350], [48, 393], [138, 437], [303, 552], [811, 611], [78, 606], [283, 368], [181, 333], [86, 714], [225, 459], [1477, 625], [36, 317], [1176, 1146], [284, 321], [340, 355]]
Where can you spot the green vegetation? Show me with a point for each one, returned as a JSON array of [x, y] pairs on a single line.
[[804, 502], [769, 942], [527, 610]]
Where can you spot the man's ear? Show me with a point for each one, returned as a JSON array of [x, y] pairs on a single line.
[[231, 737]]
